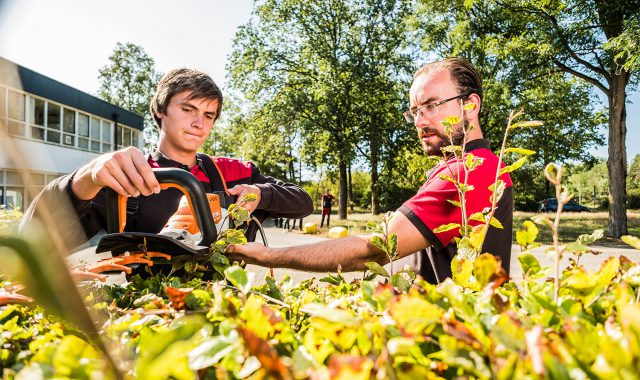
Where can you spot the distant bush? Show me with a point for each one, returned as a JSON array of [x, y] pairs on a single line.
[[633, 199]]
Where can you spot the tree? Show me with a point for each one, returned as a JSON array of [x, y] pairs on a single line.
[[129, 81], [311, 59], [589, 182], [579, 38], [261, 138], [634, 173], [633, 183], [563, 103], [584, 39]]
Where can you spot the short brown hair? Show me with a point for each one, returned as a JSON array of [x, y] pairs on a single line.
[[179, 80], [464, 75]]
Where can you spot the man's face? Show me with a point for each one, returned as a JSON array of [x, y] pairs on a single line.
[[431, 88], [186, 123]]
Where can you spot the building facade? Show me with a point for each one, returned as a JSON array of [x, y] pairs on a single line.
[[55, 129]]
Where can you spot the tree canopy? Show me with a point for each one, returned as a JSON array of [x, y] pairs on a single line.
[[328, 70], [129, 81], [594, 41]]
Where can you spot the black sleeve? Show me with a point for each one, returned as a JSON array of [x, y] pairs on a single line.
[[74, 218], [281, 199]]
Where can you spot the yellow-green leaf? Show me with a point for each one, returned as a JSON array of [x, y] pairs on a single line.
[[495, 223], [446, 227], [477, 216], [524, 152], [446, 177], [632, 241], [455, 203], [515, 166], [526, 124]]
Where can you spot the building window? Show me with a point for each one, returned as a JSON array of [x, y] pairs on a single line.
[[13, 190], [68, 127], [83, 131], [94, 142], [3, 102], [50, 177], [37, 114], [16, 108], [107, 136], [14, 198], [53, 123], [39, 119], [126, 136]]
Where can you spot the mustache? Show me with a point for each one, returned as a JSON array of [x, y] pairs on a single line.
[[430, 131]]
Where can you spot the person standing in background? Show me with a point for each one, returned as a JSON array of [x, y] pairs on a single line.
[[327, 202]]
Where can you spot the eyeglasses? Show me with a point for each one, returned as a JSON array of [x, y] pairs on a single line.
[[429, 110]]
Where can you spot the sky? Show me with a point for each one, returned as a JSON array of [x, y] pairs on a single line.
[[70, 40]]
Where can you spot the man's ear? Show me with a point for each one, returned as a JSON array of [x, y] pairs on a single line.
[[472, 105], [159, 115]]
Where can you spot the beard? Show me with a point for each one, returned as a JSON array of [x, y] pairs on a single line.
[[435, 149]]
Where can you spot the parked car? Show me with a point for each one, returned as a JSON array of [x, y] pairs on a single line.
[[551, 204]]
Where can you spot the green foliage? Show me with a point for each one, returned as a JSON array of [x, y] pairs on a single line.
[[476, 325], [129, 80], [388, 243], [589, 182], [625, 47], [9, 221], [482, 330], [516, 64], [320, 78]]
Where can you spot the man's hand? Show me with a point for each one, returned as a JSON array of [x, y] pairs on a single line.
[[126, 171], [250, 253], [241, 190]]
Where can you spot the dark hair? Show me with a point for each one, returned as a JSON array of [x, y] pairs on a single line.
[[463, 74], [176, 81]]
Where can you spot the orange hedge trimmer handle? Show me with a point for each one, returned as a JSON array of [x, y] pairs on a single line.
[[187, 183]]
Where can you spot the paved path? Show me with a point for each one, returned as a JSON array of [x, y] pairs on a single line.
[[276, 237]]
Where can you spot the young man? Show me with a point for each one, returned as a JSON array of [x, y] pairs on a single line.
[[439, 90], [327, 202], [185, 107]]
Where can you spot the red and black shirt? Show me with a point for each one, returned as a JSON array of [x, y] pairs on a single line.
[[150, 213], [430, 208]]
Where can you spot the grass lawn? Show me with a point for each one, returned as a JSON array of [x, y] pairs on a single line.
[[572, 225]]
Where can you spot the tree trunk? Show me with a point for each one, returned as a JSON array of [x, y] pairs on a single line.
[[292, 170], [342, 167], [350, 188], [290, 165], [617, 161], [375, 207]]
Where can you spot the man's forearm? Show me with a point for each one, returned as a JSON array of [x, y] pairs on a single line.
[[349, 253], [83, 186]]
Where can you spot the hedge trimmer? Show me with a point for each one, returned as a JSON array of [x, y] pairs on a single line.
[[192, 235]]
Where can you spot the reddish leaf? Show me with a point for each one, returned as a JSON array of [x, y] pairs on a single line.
[[271, 314], [267, 356], [177, 296], [349, 367], [461, 332]]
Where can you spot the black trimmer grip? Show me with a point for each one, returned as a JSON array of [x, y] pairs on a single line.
[[168, 178]]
